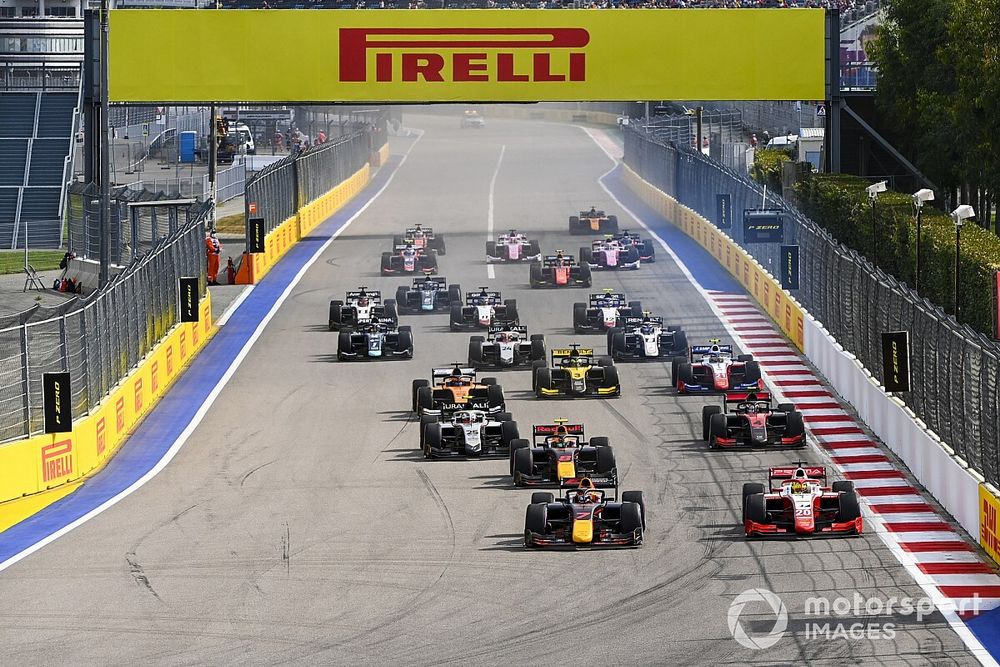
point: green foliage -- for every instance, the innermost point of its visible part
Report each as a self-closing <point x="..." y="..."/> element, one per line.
<point x="767" y="166"/>
<point x="12" y="261"/>
<point x="839" y="203"/>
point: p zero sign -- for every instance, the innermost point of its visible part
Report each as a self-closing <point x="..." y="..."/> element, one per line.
<point x="466" y="55"/>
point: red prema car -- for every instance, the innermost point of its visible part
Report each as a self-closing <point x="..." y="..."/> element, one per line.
<point x="559" y="270"/>
<point x="800" y="504"/>
<point x="752" y="422"/>
<point x="407" y="258"/>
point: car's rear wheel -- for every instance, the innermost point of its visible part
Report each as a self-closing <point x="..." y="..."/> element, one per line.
<point x="785" y="407"/>
<point x="849" y="507"/>
<point x="617" y="347"/>
<point x="843" y="486"/>
<point x="456" y="317"/>
<point x="613" y="223"/>
<point x="417" y="384"/>
<point x="508" y="432"/>
<point x="631" y="520"/>
<point x="586" y="276"/>
<point x="706" y="416"/>
<point x="491" y="249"/>
<point x="681" y="342"/>
<point x="389" y="311"/>
<point x="535" y="365"/>
<point x="605" y="460"/>
<point x="516" y="445"/>
<point x="402" y="299"/>
<point x="386" y="263"/>
<point x="524" y="463"/>
<point x="343" y="345"/>
<point x="475" y="352"/>
<point x="675" y="363"/>
<point x="636" y="308"/>
<point x="425" y="399"/>
<point x="335" y="314"/>
<point x="533" y="249"/>
<point x="455" y="294"/>
<point x="432" y="438"/>
<point x="600" y="441"/>
<point x="487" y="381"/>
<point x="574" y="224"/>
<point x="494" y="395"/>
<point x="751" y="372"/>
<point x="755" y="508"/>
<point x="586" y="255"/>
<point x="542" y="497"/>
<point x="405" y="342"/>
<point x="543" y="380"/>
<point x="535" y="275"/>
<point x="611" y="379"/>
<point x="538" y="349"/>
<point x="750" y="488"/>
<point x="744" y="357"/>
<point x="580" y="317"/>
<point x="794" y="425"/>
<point x="685" y="374"/>
<point x="511" y="305"/>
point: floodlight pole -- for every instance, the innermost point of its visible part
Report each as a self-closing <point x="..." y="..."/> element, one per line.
<point x="105" y="190"/>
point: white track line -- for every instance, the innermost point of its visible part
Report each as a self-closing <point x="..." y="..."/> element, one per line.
<point x="944" y="604"/>
<point x="490" y="273"/>
<point x="203" y="410"/>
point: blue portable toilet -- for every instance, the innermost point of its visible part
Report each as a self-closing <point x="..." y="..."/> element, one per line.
<point x="188" y="143"/>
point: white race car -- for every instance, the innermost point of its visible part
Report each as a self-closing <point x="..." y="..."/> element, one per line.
<point x="506" y="346"/>
<point x="468" y="433"/>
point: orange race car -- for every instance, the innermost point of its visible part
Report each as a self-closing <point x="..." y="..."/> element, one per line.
<point x="456" y="388"/>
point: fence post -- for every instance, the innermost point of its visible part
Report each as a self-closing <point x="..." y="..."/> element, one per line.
<point x="25" y="383"/>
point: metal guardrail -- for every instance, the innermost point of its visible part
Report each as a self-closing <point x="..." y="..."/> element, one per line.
<point x="955" y="370"/>
<point x="97" y="339"/>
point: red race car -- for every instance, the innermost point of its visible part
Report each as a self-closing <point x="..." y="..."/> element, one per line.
<point x="753" y="422"/>
<point x="559" y="270"/>
<point x="800" y="504"/>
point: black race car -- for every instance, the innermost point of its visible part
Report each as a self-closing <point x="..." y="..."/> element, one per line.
<point x="753" y="422"/>
<point x="427" y="294"/>
<point x="506" y="346"/>
<point x="559" y="270"/>
<point x="482" y="310"/>
<point x="375" y="339"/>
<point x="421" y="237"/>
<point x="584" y="517"/>
<point x="560" y="453"/>
<point x="646" y="338"/>
<point x="575" y="373"/>
<point x="359" y="306"/>
<point x="645" y="247"/>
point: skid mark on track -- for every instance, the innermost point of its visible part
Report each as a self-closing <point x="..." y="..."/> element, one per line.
<point x="135" y="569"/>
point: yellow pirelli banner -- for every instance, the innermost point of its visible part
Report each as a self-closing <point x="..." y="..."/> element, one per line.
<point x="465" y="55"/>
<point x="989" y="523"/>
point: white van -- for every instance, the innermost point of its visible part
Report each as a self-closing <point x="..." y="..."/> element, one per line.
<point x="243" y="138"/>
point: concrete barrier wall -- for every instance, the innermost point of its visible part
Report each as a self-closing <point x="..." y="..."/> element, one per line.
<point x="38" y="471"/>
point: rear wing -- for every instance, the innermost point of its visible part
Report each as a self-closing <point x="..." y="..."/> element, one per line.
<point x="790" y="472"/>
<point x="554" y="260"/>
<point x="746" y="397"/>
<point x="374" y="295"/>
<point x="562" y="352"/>
<point x="636" y="322"/>
<point x="550" y="429"/>
<point x="448" y="371"/>
<point x="597" y="481"/>
<point x="492" y="332"/>
<point x="589" y="215"/>
<point x="403" y="246"/>
<point x="493" y="298"/>
<point x="440" y="282"/>
<point x="425" y="231"/>
<point x="697" y="350"/>
<point x="618" y="298"/>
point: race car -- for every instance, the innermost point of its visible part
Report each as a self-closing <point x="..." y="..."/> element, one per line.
<point x="610" y="255"/>
<point x="482" y="310"/>
<point x="359" y="306"/>
<point x="375" y="339"/>
<point x="407" y="258"/>
<point x="427" y="294"/>
<point x="560" y="453"/>
<point x="456" y="388"/>
<point x="559" y="270"/>
<point x="752" y="422"/>
<point x="592" y="221"/>
<point x="472" y="119"/>
<point x="422" y="237"/>
<point x="584" y="517"/>
<point x="576" y="374"/>
<point x="645" y="338"/>
<point x="513" y="247"/>
<point x="506" y="346"/>
<point x="800" y="505"/>
<point x="604" y="311"/>
<point x="713" y="368"/>
<point x="468" y="433"/>
<point x="645" y="247"/>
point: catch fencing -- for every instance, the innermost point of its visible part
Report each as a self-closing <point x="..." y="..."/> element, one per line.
<point x="955" y="369"/>
<point x="97" y="339"/>
<point x="282" y="188"/>
<point x="229" y="184"/>
<point x="135" y="230"/>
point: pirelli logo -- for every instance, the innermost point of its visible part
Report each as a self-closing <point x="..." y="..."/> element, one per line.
<point x="455" y="55"/>
<point x="57" y="460"/>
<point x="102" y="436"/>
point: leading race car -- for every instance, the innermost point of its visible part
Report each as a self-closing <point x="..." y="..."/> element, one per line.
<point x="645" y="247"/>
<point x="645" y="339"/>
<point x="610" y="255"/>
<point x="472" y="118"/>
<point x="407" y="258"/>
<point x="800" y="505"/>
<point x="360" y="306"/>
<point x="576" y="374"/>
<point x="592" y="221"/>
<point x="468" y="433"/>
<point x="422" y="237"/>
<point x="375" y="339"/>
<point x="584" y="517"/>
<point x="513" y="247"/>
<point x="427" y="294"/>
<point x="752" y="422"/>
<point x="560" y="453"/>
<point x="559" y="270"/>
<point x="604" y="312"/>
<point x="456" y="388"/>
<point x="506" y="346"/>
<point x="482" y="310"/>
<point x="713" y="368"/>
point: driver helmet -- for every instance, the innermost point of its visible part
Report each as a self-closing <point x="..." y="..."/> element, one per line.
<point x="559" y="437"/>
<point x="466" y="418"/>
<point x="715" y="358"/>
<point x="799" y="486"/>
<point x="504" y="337"/>
<point x="605" y="303"/>
<point x="646" y="328"/>
<point x="593" y="210"/>
<point x="363" y="301"/>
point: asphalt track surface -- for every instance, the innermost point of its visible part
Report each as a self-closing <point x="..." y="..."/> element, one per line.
<point x="300" y="524"/>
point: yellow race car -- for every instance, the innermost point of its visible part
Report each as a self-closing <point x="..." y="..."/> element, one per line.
<point x="575" y="373"/>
